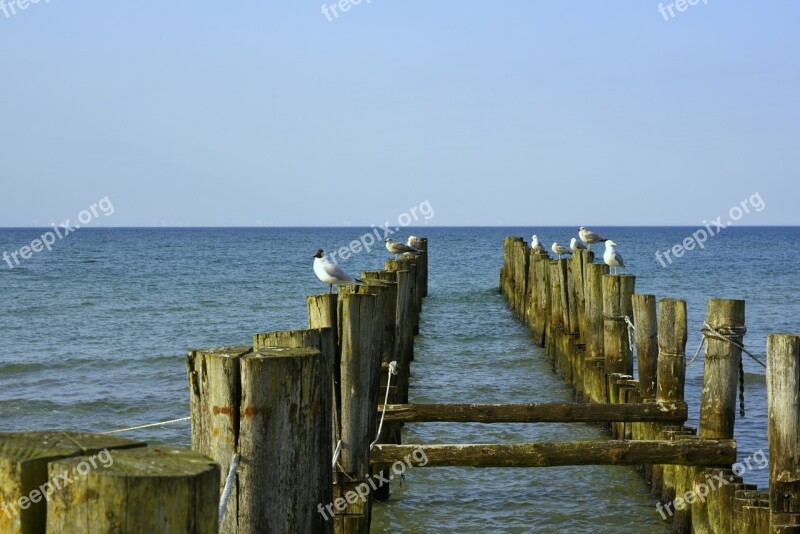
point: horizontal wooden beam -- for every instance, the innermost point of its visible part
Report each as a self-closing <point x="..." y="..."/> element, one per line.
<point x="674" y="412"/>
<point x="681" y="452"/>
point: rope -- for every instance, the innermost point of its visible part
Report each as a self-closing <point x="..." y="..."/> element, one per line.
<point x="147" y="426"/>
<point x="725" y="334"/>
<point x="699" y="348"/>
<point x="392" y="371"/>
<point x="628" y="323"/>
<point x="226" y="493"/>
<point x="741" y="388"/>
<point x="336" y="453"/>
<point x="631" y="330"/>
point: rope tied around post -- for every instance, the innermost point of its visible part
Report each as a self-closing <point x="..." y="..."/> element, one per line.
<point x="728" y="333"/>
<point x="226" y="493"/>
<point x="392" y="371"/>
<point x="628" y="323"/>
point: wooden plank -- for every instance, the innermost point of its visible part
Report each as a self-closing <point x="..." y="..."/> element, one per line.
<point x="690" y="452"/>
<point x="536" y="413"/>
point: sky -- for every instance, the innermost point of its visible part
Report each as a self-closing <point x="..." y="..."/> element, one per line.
<point x="494" y="113"/>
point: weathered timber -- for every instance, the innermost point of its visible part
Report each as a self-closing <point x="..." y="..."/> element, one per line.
<point x="550" y="454"/>
<point x="165" y="490"/>
<point x="215" y="393"/>
<point x="721" y="370"/>
<point x="783" y="399"/>
<point x="24" y="457"/>
<point x="593" y="289"/>
<point x="285" y="432"/>
<point x="535" y="413"/>
<point x="617" y="292"/>
<point x="646" y="339"/>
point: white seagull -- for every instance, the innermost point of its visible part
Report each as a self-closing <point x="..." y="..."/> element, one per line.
<point x="575" y="245"/>
<point x="589" y="237"/>
<point x="396" y="247"/>
<point x="413" y="241"/>
<point x="535" y="245"/>
<point x="330" y="273"/>
<point x="611" y="257"/>
<point x="559" y="249"/>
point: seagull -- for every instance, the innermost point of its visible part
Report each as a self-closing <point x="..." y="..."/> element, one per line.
<point x="413" y="241"/>
<point x="575" y="245"/>
<point x="612" y="257"/>
<point x="396" y="247"/>
<point x="535" y="245"/>
<point x="589" y="237"/>
<point x="330" y="273"/>
<point x="560" y="250"/>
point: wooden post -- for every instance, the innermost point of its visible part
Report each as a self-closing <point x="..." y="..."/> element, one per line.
<point x="274" y="407"/>
<point x="646" y="336"/>
<point x="721" y="371"/>
<point x="285" y="429"/>
<point x="617" y="292"/>
<point x="593" y="288"/>
<point x="542" y="310"/>
<point x="24" y="457"/>
<point x="322" y="313"/>
<point x="783" y="395"/>
<point x="215" y="393"/>
<point x="672" y="334"/>
<point x="358" y="398"/>
<point x="163" y="489"/>
<point x="423" y="266"/>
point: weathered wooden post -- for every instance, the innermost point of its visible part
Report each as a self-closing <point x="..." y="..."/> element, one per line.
<point x="617" y="293"/>
<point x="169" y="490"/>
<point x="423" y="266"/>
<point x="359" y="391"/>
<point x="783" y="398"/>
<point x="721" y="370"/>
<point x="24" y="457"/>
<point x="274" y="408"/>
<point x="672" y="335"/>
<point x="646" y="339"/>
<point x="593" y="288"/>
<point x="542" y="271"/>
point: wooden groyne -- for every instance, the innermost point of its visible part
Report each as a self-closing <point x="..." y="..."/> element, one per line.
<point x="590" y="322"/>
<point x="296" y="430"/>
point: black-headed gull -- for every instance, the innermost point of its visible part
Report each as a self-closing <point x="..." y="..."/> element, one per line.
<point x="611" y="257"/>
<point x="589" y="237"/>
<point x="330" y="273"/>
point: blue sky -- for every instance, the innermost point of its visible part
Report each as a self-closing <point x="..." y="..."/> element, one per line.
<point x="514" y="113"/>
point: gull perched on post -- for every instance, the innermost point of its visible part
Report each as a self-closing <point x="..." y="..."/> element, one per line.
<point x="589" y="237"/>
<point x="397" y="248"/>
<point x="535" y="245"/>
<point x="611" y="257"/>
<point x="575" y="245"/>
<point x="413" y="241"/>
<point x="330" y="273"/>
<point x="559" y="249"/>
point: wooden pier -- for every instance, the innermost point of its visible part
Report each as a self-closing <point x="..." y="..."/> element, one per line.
<point x="296" y="430"/>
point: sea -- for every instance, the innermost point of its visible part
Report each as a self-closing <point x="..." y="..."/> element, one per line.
<point x="95" y="334"/>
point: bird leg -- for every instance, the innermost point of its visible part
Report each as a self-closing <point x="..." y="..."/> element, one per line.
<point x="330" y="289"/>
